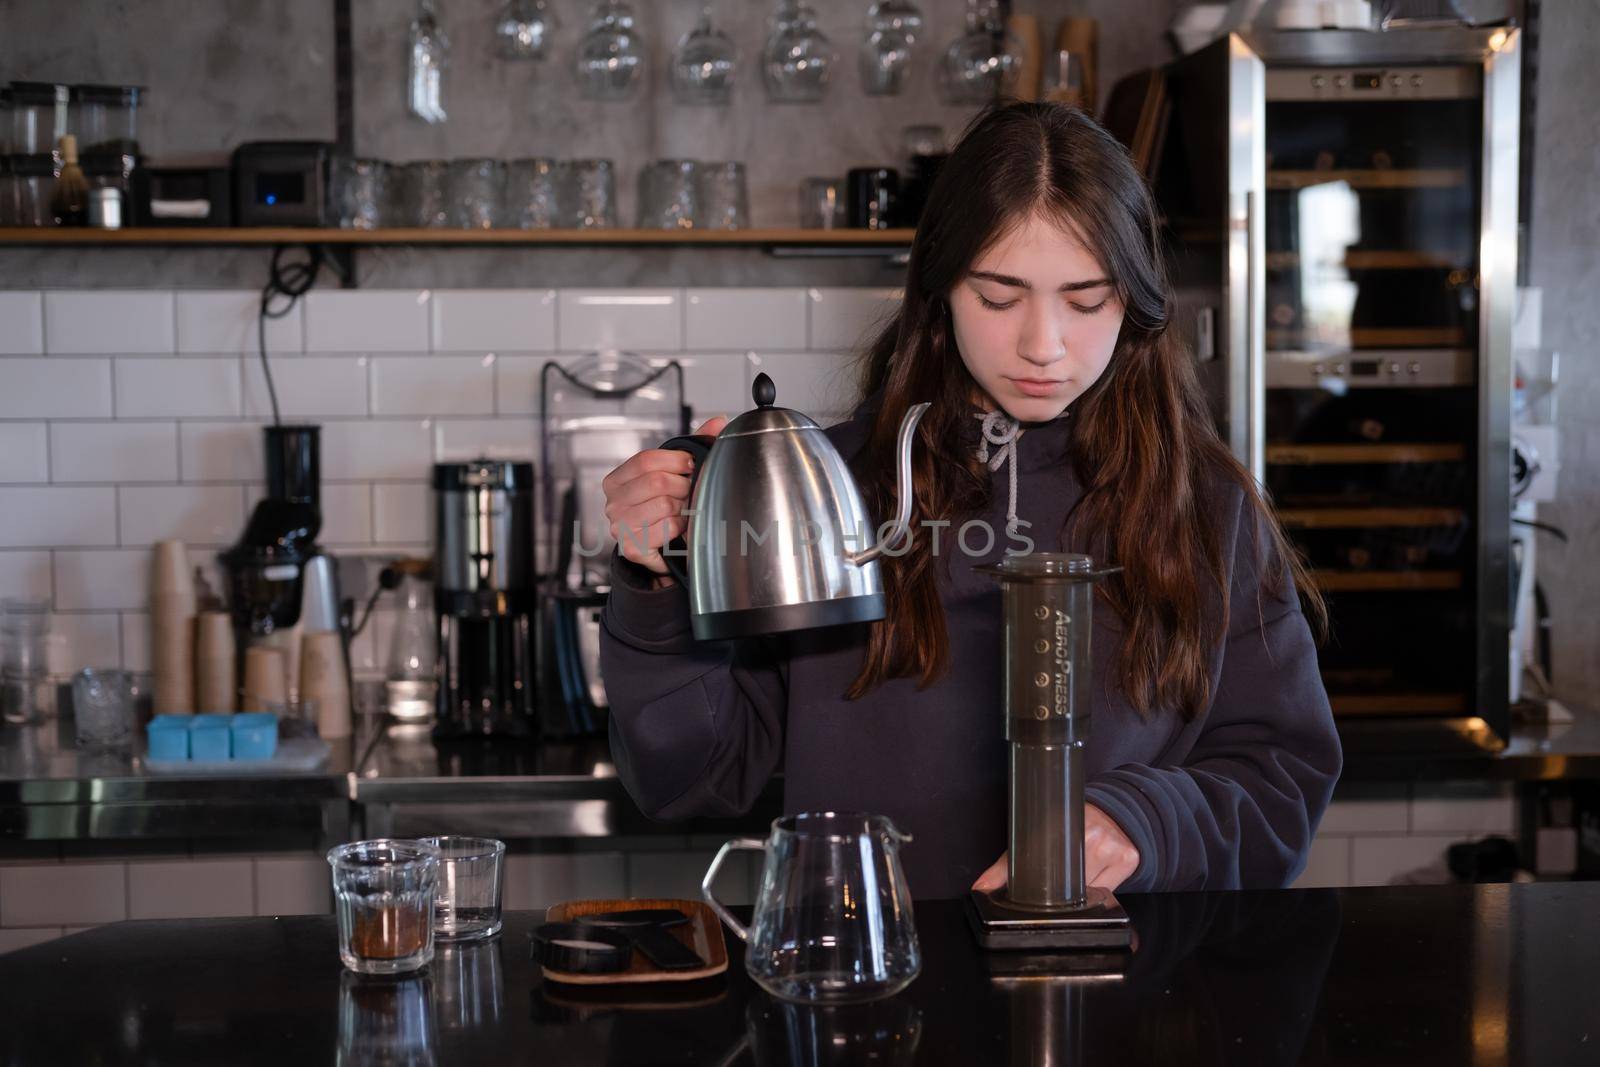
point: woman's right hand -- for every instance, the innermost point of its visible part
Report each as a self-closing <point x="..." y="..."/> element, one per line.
<point x="645" y="498"/>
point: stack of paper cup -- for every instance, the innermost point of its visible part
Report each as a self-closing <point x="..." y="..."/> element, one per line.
<point x="214" y="687"/>
<point x="265" y="680"/>
<point x="172" y="610"/>
<point x="323" y="680"/>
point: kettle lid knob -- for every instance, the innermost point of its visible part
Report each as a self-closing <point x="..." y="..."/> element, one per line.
<point x="763" y="392"/>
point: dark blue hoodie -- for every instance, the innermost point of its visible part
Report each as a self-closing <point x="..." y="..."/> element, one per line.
<point x="1230" y="800"/>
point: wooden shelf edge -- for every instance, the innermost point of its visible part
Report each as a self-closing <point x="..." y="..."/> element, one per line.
<point x="276" y="235"/>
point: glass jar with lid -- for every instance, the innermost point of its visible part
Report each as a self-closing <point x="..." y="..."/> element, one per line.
<point x="38" y="116"/>
<point x="106" y="118"/>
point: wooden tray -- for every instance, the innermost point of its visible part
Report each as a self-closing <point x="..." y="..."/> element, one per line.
<point x="703" y="933"/>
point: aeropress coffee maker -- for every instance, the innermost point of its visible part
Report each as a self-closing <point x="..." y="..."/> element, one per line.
<point x="1047" y="602"/>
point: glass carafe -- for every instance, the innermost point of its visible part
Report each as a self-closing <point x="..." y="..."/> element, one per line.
<point x="982" y="63"/>
<point x="429" y="55"/>
<point x="885" y="60"/>
<point x="522" y="30"/>
<point x="413" y="680"/>
<point x="832" y="920"/>
<point x="611" y="54"/>
<point x="704" y="64"/>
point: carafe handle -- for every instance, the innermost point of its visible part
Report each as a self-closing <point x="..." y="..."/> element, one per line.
<point x="749" y="844"/>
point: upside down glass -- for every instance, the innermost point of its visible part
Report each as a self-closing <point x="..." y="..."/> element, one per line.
<point x="832" y="921"/>
<point x="383" y="893"/>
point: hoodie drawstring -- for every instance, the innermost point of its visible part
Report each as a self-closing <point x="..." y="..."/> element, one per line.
<point x="1001" y="429"/>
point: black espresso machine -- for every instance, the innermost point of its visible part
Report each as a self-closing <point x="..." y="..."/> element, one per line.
<point x="484" y="599"/>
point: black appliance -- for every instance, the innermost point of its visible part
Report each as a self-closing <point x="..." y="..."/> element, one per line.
<point x="484" y="598"/>
<point x="281" y="183"/>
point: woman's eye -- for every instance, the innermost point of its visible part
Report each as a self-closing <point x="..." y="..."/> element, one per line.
<point x="991" y="305"/>
<point x="1080" y="309"/>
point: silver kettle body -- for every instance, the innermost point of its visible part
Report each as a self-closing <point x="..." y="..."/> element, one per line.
<point x="779" y="537"/>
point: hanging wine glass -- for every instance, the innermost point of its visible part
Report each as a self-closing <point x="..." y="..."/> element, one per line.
<point x="704" y="64"/>
<point x="893" y="27"/>
<point x="430" y="54"/>
<point x="523" y="29"/>
<point x="798" y="59"/>
<point x="984" y="61"/>
<point x="611" y="55"/>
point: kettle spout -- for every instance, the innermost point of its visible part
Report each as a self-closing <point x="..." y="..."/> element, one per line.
<point x="902" y="518"/>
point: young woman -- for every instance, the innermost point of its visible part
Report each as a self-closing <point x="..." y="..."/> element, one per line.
<point x="1036" y="319"/>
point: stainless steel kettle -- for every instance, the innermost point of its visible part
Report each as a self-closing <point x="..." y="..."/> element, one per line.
<point x="779" y="538"/>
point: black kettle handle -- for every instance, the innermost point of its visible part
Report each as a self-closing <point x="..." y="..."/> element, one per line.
<point x="697" y="445"/>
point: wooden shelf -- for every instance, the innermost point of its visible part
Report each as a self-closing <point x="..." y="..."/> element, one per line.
<point x="1435" y="178"/>
<point x="1316" y="455"/>
<point x="1368" y="518"/>
<point x="1397" y="703"/>
<point x="1385" y="581"/>
<point x="279" y="235"/>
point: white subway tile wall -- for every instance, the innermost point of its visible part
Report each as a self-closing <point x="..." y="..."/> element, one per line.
<point x="143" y="422"/>
<point x="131" y="416"/>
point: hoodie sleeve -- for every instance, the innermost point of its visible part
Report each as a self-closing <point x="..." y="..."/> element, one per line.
<point x="1240" y="810"/>
<point x="696" y="726"/>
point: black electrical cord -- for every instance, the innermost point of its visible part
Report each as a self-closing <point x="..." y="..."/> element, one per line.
<point x="388" y="578"/>
<point x="1554" y="531"/>
<point x="287" y="283"/>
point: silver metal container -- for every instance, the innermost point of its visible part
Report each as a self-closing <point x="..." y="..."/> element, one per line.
<point x="484" y="525"/>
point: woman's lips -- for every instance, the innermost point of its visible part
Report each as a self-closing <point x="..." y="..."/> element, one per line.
<point x="1037" y="386"/>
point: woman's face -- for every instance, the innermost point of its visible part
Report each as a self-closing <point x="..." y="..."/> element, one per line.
<point x="1036" y="320"/>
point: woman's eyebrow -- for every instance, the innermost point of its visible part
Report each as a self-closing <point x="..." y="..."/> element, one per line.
<point x="1022" y="283"/>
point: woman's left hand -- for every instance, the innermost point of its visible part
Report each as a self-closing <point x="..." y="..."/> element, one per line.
<point x="1109" y="858"/>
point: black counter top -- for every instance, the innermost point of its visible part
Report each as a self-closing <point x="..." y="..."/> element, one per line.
<point x="1411" y="975"/>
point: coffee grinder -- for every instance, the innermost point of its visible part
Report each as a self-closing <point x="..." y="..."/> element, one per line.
<point x="1047" y="602"/>
<point x="280" y="582"/>
<point x="484" y="598"/>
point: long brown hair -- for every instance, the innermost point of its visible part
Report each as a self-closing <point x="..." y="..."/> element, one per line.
<point x="1154" y="471"/>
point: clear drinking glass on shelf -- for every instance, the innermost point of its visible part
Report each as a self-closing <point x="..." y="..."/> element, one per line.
<point x="360" y="192"/>
<point x="610" y="58"/>
<point x="704" y="64"/>
<point x="383" y="893"/>
<point x="420" y="199"/>
<point x="984" y="61"/>
<point x="24" y="673"/>
<point x="669" y="195"/>
<point x="102" y="709"/>
<point x="798" y="59"/>
<point x="822" y="204"/>
<point x="593" y="184"/>
<point x="537" y="196"/>
<point x="724" y="202"/>
<point x="430" y="55"/>
<point x="887" y="54"/>
<point x="522" y="29"/>
<point x="466" y="903"/>
<point x="473" y="190"/>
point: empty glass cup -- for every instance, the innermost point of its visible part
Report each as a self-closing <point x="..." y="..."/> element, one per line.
<point x="473" y="192"/>
<point x="593" y="184"/>
<point x="360" y="192"/>
<point x="669" y="196"/>
<point x="466" y="904"/>
<point x="887" y="53"/>
<point x="798" y="59"/>
<point x="724" y="203"/>
<point x="383" y="894"/>
<point x="24" y="672"/>
<point x="420" y="193"/>
<point x="822" y="204"/>
<point x="984" y="61"/>
<point x="538" y="196"/>
<point x="610" y="57"/>
<point x="102" y="709"/>
<point x="832" y="920"/>
<point x="704" y="64"/>
<point x="522" y="30"/>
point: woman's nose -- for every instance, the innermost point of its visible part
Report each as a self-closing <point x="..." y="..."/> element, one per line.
<point x="1043" y="337"/>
